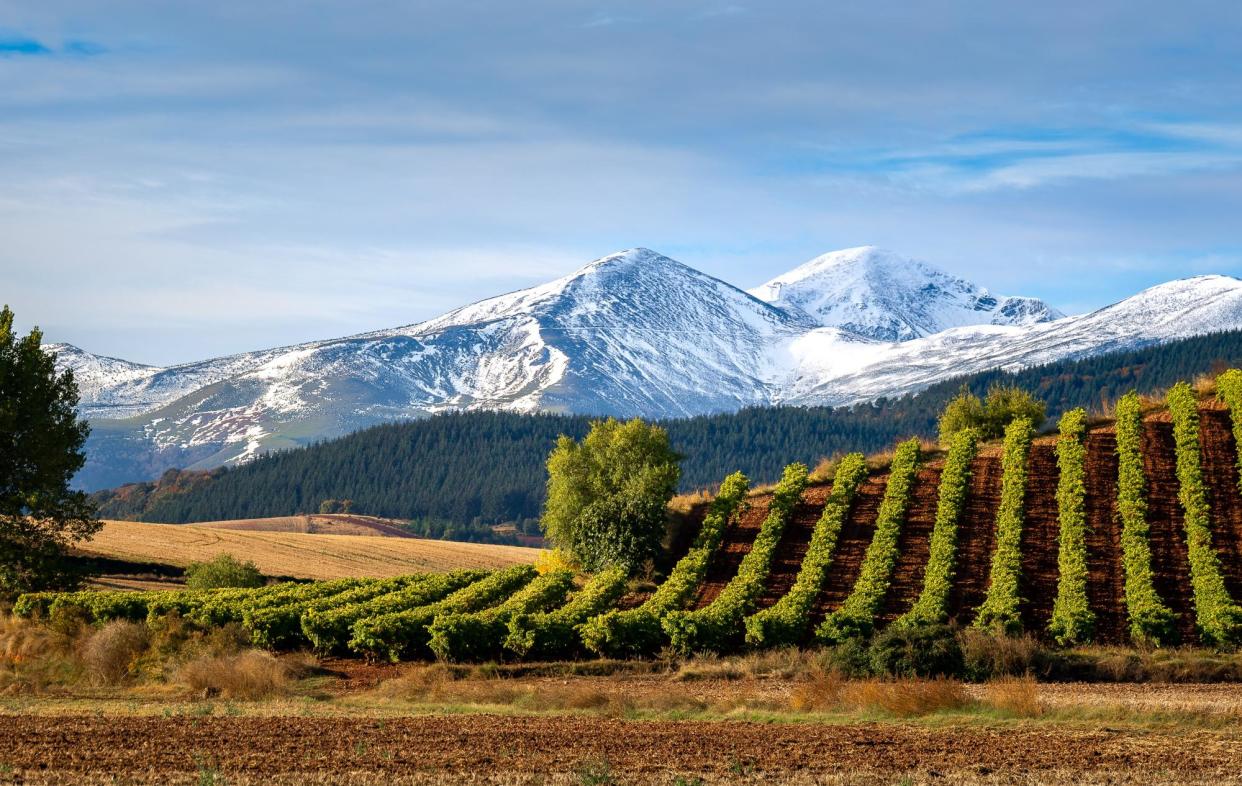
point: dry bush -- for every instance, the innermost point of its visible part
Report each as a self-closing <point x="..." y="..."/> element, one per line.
<point x="878" y="462"/>
<point x="110" y="654"/>
<point x="253" y="674"/>
<point x="684" y="503"/>
<point x="821" y="693"/>
<point x="905" y="698"/>
<point x="708" y="666"/>
<point x="987" y="654"/>
<point x="825" y="469"/>
<point x="33" y="657"/>
<point x="1014" y="696"/>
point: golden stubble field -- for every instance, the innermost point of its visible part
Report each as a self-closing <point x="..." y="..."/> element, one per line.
<point x="296" y="554"/>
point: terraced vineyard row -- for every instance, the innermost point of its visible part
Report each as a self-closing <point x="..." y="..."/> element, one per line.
<point x="1131" y="531"/>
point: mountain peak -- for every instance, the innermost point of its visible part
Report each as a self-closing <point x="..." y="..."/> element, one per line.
<point x="880" y="294"/>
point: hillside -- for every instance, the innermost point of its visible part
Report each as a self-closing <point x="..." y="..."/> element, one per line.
<point x="977" y="532"/>
<point x="295" y="554"/>
<point x="452" y="470"/>
<point x="316" y="524"/>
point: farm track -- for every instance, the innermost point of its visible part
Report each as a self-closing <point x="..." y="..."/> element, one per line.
<point x="851" y="547"/>
<point x="1040" y="537"/>
<point x="1105" y="575"/>
<point x="1220" y="473"/>
<point x="1170" y="564"/>
<point x="794" y="543"/>
<point x="976" y="537"/>
<point x="913" y="546"/>
<point x="150" y="750"/>
<point x="738" y="539"/>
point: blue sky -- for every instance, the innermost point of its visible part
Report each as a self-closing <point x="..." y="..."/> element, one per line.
<point x="186" y="180"/>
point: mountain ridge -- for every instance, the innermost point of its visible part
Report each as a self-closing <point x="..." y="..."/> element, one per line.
<point x="633" y="333"/>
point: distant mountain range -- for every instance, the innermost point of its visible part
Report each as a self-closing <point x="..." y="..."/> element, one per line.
<point x="634" y="333"/>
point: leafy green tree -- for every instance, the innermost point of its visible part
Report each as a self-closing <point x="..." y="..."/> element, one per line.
<point x="223" y="570"/>
<point x="991" y="415"/>
<point x="41" y="442"/>
<point x="607" y="495"/>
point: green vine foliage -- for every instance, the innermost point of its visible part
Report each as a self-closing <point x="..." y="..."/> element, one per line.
<point x="404" y="634"/>
<point x="638" y="632"/>
<point x="328" y="630"/>
<point x="719" y="625"/>
<point x="477" y="636"/>
<point x="281" y="625"/>
<point x="1072" y="619"/>
<point x="932" y="606"/>
<point x="555" y="634"/>
<point x="856" y="617"/>
<point x="1229" y="390"/>
<point x="1219" y="618"/>
<point x="785" y="622"/>
<point x="1151" y="621"/>
<point x="1000" y="609"/>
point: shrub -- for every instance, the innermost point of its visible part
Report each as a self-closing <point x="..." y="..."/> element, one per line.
<point x="1072" y="619"/>
<point x="990" y="417"/>
<point x="719" y="624"/>
<point x="404" y="633"/>
<point x="784" y="623"/>
<point x="554" y="634"/>
<point x="249" y="675"/>
<point x="1219" y="618"/>
<point x="110" y="652"/>
<point x="329" y="629"/>
<point x="480" y="635"/>
<point x="223" y="570"/>
<point x="916" y="651"/>
<point x="1000" y="611"/>
<point x="856" y="617"/>
<point x="637" y="632"/>
<point x="1151" y="622"/>
<point x="931" y="608"/>
<point x="607" y="495"/>
<point x="988" y="653"/>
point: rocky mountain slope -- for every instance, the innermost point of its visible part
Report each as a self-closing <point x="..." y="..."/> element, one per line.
<point x="631" y="334"/>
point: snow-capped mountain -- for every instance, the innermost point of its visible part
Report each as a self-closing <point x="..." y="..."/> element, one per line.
<point x="878" y="294"/>
<point x="634" y="333"/>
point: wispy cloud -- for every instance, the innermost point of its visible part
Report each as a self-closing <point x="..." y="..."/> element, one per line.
<point x="17" y="45"/>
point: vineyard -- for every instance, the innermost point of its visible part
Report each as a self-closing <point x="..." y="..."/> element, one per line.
<point x="1128" y="531"/>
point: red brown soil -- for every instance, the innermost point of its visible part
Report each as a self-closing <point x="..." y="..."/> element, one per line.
<point x="851" y="547"/>
<point x="913" y="546"/>
<point x="976" y="537"/>
<point x="1040" y="537"/>
<point x="371" y="750"/>
<point x="1220" y="473"/>
<point x="1170" y="565"/>
<point x="736" y="544"/>
<point x="1105" y="574"/>
<point x="795" y="540"/>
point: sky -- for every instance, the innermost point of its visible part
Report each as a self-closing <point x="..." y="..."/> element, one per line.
<point x="186" y="180"/>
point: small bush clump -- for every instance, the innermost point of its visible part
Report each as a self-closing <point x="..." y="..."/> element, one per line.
<point x="224" y="570"/>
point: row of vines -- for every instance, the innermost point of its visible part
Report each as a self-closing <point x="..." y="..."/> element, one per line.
<point x="471" y="615"/>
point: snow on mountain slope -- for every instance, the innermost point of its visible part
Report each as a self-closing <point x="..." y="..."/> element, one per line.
<point x="881" y="295"/>
<point x="634" y="333"/>
<point x="834" y="368"/>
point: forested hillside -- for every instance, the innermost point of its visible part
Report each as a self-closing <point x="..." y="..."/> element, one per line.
<point x="487" y="467"/>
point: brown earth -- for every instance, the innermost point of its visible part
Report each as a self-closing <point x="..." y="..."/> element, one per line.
<point x="1040" y="536"/>
<point x="1105" y="575"/>
<point x="913" y="545"/>
<point x="735" y="545"/>
<point x="976" y="537"/>
<point x="795" y="541"/>
<point x="1170" y="564"/>
<point x="487" y="748"/>
<point x="851" y="548"/>
<point x="1220" y="473"/>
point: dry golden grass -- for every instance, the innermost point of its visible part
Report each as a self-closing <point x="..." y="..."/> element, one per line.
<point x="827" y="691"/>
<point x="296" y="554"/>
<point x="315" y="524"/>
<point x="1017" y="697"/>
<point x="248" y="675"/>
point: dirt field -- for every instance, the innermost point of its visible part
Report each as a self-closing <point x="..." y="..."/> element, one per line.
<point x="297" y="554"/>
<point x="1101" y="737"/>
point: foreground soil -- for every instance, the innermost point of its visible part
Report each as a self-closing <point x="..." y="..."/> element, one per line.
<point x="506" y="749"/>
